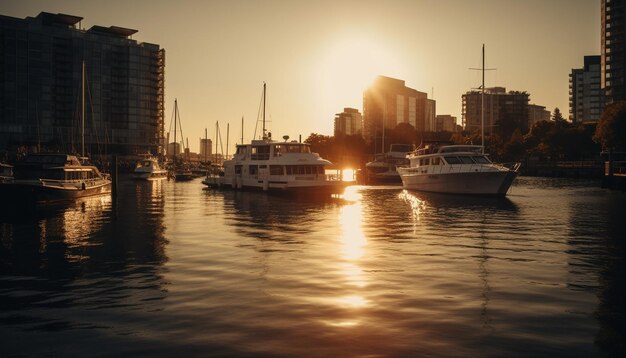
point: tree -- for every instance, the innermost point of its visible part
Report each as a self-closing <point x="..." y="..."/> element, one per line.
<point x="611" y="129"/>
<point x="557" y="116"/>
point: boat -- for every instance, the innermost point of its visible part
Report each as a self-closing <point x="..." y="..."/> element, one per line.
<point x="457" y="169"/>
<point x="383" y="168"/>
<point x="149" y="169"/>
<point x="54" y="177"/>
<point x="283" y="167"/>
<point x="46" y="177"/>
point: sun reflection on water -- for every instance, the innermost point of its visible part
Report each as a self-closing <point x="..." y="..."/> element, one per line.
<point x="352" y="249"/>
<point x="417" y="205"/>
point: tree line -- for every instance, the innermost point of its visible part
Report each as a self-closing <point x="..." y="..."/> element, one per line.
<point x="546" y="141"/>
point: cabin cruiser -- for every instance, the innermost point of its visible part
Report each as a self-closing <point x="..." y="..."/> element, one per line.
<point x="278" y="166"/>
<point x="53" y="177"/>
<point x="149" y="169"/>
<point x="457" y="169"/>
<point x="383" y="168"/>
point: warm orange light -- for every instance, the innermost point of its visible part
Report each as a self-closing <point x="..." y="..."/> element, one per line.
<point x="348" y="174"/>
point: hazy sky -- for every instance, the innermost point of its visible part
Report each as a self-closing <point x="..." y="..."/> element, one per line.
<point x="318" y="56"/>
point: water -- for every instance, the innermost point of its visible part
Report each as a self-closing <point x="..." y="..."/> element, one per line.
<point x="173" y="269"/>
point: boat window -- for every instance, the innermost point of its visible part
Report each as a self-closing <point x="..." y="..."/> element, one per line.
<point x="452" y="160"/>
<point x="241" y="150"/>
<point x="320" y="169"/>
<point x="295" y="148"/>
<point x="481" y="160"/>
<point x="260" y="152"/>
<point x="466" y="160"/>
<point x="276" y="170"/>
<point x="277" y="150"/>
<point x="436" y="161"/>
<point x="237" y="169"/>
<point x="253" y="169"/>
<point x="424" y="161"/>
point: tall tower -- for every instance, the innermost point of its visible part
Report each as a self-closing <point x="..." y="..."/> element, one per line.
<point x="613" y="55"/>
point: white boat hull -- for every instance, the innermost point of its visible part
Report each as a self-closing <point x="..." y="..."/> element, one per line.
<point x="150" y="175"/>
<point x="471" y="183"/>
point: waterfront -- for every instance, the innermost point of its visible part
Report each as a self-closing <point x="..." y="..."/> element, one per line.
<point x="174" y="269"/>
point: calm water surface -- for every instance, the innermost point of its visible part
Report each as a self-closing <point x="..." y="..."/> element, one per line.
<point x="173" y="269"/>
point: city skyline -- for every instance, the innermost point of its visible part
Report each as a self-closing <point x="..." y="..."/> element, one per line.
<point x="319" y="58"/>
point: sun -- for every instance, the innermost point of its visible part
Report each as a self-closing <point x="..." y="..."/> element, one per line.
<point x="347" y="67"/>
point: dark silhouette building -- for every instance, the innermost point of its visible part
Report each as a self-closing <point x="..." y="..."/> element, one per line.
<point x="41" y="60"/>
<point x="586" y="101"/>
<point x="504" y="112"/>
<point x="613" y="53"/>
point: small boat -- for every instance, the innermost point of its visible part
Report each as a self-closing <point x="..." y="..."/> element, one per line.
<point x="283" y="167"/>
<point x="149" y="169"/>
<point x="457" y="169"/>
<point x="383" y="168"/>
<point x="54" y="177"/>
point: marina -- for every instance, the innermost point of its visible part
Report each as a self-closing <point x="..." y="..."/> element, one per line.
<point x="171" y="266"/>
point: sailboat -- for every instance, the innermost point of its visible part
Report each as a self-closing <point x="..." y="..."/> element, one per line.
<point x="458" y="169"/>
<point x="278" y="166"/>
<point x="180" y="170"/>
<point x="45" y="177"/>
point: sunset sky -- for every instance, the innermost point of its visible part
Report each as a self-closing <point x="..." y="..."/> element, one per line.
<point x="318" y="56"/>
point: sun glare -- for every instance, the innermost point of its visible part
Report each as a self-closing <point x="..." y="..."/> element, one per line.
<point x="349" y="66"/>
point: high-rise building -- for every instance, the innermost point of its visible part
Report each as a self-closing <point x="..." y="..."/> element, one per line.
<point x="206" y="148"/>
<point x="537" y="113"/>
<point x="348" y="122"/>
<point x="613" y="50"/>
<point x="41" y="61"/>
<point x="388" y="102"/>
<point x="445" y="123"/>
<point x="503" y="111"/>
<point x="586" y="101"/>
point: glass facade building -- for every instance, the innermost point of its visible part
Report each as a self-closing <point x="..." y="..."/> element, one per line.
<point x="41" y="71"/>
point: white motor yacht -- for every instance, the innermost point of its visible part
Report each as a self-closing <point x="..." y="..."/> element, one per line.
<point x="457" y="169"/>
<point x="149" y="169"/>
<point x="383" y="168"/>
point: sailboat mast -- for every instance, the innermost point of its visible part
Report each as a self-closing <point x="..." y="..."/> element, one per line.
<point x="82" y="117"/>
<point x="264" y="110"/>
<point x="175" y="143"/>
<point x="241" y="130"/>
<point x="482" y="106"/>
<point x="227" y="134"/>
<point x="217" y="128"/>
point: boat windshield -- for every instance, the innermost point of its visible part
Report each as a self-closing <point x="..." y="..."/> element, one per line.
<point x="290" y="148"/>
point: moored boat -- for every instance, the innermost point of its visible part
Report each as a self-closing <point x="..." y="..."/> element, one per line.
<point x="457" y="169"/>
<point x="286" y="167"/>
<point x="54" y="177"/>
<point x="382" y="170"/>
<point x="149" y="169"/>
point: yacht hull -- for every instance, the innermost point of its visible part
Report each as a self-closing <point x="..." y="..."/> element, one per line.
<point x="149" y="175"/>
<point x="496" y="183"/>
<point x="37" y="192"/>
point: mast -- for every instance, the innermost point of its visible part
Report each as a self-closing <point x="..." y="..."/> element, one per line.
<point x="264" y="136"/>
<point x="175" y="143"/>
<point x="482" y="106"/>
<point x="227" y="134"/>
<point x="82" y="117"/>
<point x="206" y="140"/>
<point x="217" y="128"/>
<point x="241" y="130"/>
